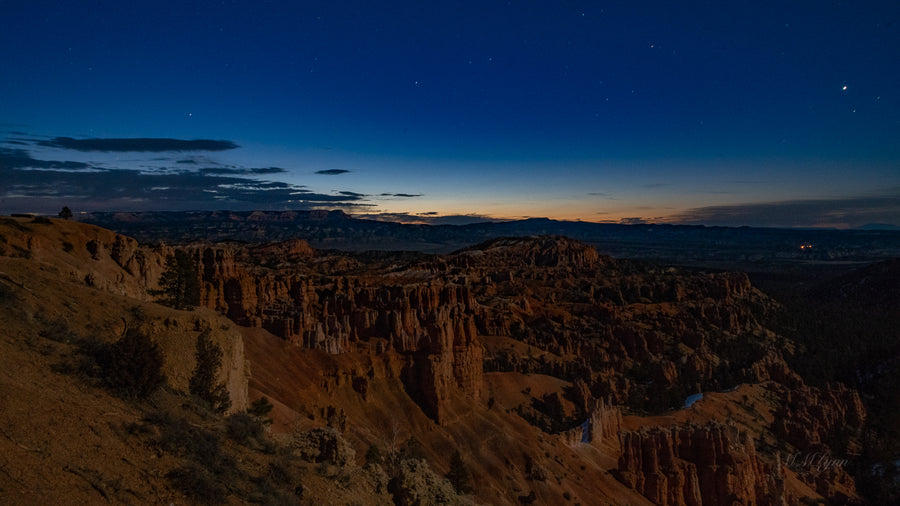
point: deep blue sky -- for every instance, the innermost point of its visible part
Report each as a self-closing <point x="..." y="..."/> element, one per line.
<point x="758" y="113"/>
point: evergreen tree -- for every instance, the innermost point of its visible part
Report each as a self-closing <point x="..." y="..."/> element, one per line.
<point x="180" y="282"/>
<point x="458" y="474"/>
<point x="203" y="381"/>
<point x="66" y="213"/>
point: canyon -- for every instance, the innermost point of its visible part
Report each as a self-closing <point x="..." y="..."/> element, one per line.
<point x="558" y="373"/>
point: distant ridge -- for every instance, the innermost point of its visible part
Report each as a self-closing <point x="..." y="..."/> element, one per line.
<point x="878" y="226"/>
<point x="685" y="244"/>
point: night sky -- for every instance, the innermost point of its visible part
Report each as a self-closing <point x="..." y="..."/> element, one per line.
<point x="720" y="113"/>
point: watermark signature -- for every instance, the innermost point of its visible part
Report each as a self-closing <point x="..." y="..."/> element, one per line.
<point x="812" y="461"/>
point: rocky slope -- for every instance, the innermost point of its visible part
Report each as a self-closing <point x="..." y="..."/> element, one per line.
<point x="86" y="260"/>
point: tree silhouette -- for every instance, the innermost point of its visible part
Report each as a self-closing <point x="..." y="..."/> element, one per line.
<point x="458" y="474"/>
<point x="134" y="365"/>
<point x="203" y="381"/>
<point x="180" y="282"/>
<point x="66" y="213"/>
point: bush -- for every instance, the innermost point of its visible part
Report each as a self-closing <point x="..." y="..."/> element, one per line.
<point x="197" y="482"/>
<point x="260" y="408"/>
<point x="133" y="365"/>
<point x="414" y="450"/>
<point x="323" y="445"/>
<point x="244" y="428"/>
<point x="374" y="456"/>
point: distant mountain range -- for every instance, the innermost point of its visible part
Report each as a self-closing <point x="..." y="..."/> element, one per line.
<point x="685" y="244"/>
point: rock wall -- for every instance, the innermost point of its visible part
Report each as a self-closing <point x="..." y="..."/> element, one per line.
<point x="603" y="424"/>
<point x="429" y="321"/>
<point x="809" y="417"/>
<point x="698" y="465"/>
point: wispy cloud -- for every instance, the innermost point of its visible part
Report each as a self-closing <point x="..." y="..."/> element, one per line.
<point x="332" y="172"/>
<point x="352" y="194"/>
<point x="39" y="184"/>
<point x="843" y="212"/>
<point x="21" y="159"/>
<point x="402" y="195"/>
<point x="246" y="171"/>
<point x="429" y="218"/>
<point x="137" y="144"/>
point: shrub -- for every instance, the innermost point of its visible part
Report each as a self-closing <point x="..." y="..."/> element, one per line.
<point x="260" y="408"/>
<point x="414" y="450"/>
<point x="244" y="428"/>
<point x="133" y="365"/>
<point x="374" y="456"/>
<point x="197" y="482"/>
<point x="66" y="213"/>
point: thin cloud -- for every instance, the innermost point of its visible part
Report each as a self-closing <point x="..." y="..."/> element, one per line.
<point x="332" y="172"/>
<point x="40" y="185"/>
<point x="137" y="144"/>
<point x="847" y="212"/>
<point x="241" y="171"/>
<point x="657" y="185"/>
<point x="429" y="218"/>
<point x="352" y="194"/>
<point x="403" y="195"/>
<point x="21" y="159"/>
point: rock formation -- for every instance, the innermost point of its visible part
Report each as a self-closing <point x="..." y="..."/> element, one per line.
<point x="603" y="424"/>
<point x="696" y="465"/>
<point x="429" y="322"/>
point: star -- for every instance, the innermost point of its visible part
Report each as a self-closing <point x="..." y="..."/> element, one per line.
<point x="844" y="88"/>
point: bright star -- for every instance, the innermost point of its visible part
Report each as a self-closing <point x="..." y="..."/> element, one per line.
<point x="844" y="88"/>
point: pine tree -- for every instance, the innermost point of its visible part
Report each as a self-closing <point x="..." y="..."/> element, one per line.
<point x="203" y="381"/>
<point x="458" y="474"/>
<point x="180" y="282"/>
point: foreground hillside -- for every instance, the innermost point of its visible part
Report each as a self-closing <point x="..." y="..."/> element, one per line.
<point x="557" y="374"/>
